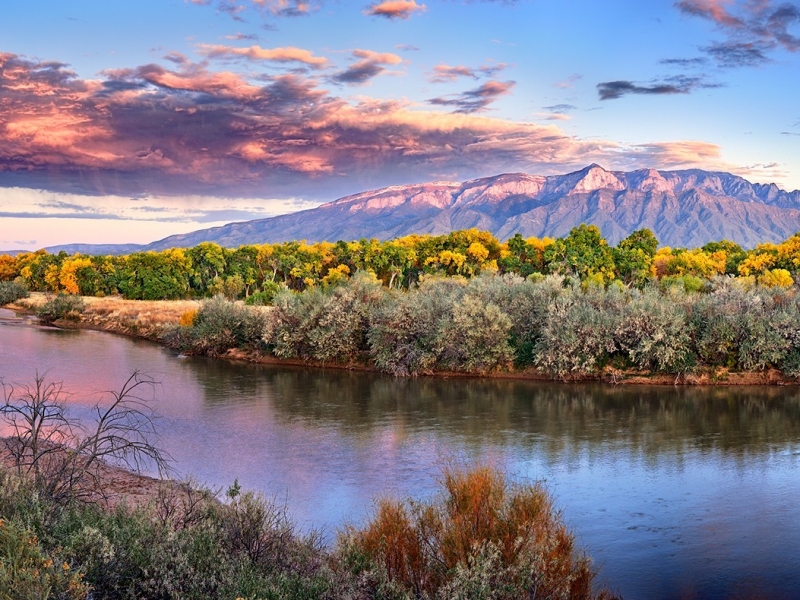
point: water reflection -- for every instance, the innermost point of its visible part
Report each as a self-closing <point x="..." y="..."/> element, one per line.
<point x="675" y="491"/>
<point x="650" y="420"/>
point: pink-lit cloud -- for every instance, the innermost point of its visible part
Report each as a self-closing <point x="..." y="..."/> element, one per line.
<point x="754" y="28"/>
<point x="257" y="53"/>
<point x="476" y="100"/>
<point x="394" y="9"/>
<point x="192" y="130"/>
<point x="716" y="10"/>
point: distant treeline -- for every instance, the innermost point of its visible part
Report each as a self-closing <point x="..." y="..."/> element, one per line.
<point x="261" y="270"/>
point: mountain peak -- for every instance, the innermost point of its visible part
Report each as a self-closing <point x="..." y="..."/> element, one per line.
<point x="594" y="177"/>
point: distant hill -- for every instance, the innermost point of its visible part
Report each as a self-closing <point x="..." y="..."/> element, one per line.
<point x="683" y="208"/>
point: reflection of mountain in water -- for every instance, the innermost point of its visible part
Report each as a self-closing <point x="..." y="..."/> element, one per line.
<point x="650" y="420"/>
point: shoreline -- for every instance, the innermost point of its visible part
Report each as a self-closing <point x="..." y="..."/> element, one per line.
<point x="147" y="320"/>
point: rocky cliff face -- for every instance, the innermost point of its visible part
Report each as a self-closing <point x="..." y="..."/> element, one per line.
<point x="683" y="208"/>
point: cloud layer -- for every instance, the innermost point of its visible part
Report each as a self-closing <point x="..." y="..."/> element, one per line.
<point x="188" y="129"/>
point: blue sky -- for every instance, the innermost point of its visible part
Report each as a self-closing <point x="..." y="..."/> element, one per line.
<point x="126" y="122"/>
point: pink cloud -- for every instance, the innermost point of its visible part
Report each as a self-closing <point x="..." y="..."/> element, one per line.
<point x="716" y="10"/>
<point x="395" y="9"/>
<point x="475" y="100"/>
<point x="257" y="53"/>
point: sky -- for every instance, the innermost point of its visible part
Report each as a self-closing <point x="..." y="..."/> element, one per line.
<point x="125" y="122"/>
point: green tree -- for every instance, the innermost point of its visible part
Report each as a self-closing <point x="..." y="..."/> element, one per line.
<point x="583" y="252"/>
<point x="633" y="257"/>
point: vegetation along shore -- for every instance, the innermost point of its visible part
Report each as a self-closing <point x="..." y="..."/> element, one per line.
<point x="569" y="308"/>
<point x="74" y="525"/>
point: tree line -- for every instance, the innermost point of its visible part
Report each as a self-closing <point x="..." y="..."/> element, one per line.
<point x="257" y="272"/>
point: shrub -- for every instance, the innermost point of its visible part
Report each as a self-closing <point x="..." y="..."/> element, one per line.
<point x="63" y="306"/>
<point x="405" y="334"/>
<point x="269" y="290"/>
<point x="480" y="535"/>
<point x="28" y="573"/>
<point x="747" y="329"/>
<point x="325" y="325"/>
<point x="188" y="318"/>
<point x="654" y="332"/>
<point x="11" y="291"/>
<point x="578" y="332"/>
<point x="218" y="326"/>
<point x="525" y="302"/>
<point x="474" y="338"/>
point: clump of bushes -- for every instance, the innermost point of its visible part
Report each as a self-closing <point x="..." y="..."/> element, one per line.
<point x="218" y="326"/>
<point x="493" y="322"/>
<point x="27" y="571"/>
<point x="444" y="324"/>
<point x="11" y="291"/>
<point x="62" y="306"/>
<point x="325" y="325"/>
<point x="481" y="538"/>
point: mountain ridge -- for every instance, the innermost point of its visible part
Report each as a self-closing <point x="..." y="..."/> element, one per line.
<point x="683" y="208"/>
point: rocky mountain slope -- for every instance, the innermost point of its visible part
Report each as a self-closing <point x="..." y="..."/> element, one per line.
<point x="683" y="208"/>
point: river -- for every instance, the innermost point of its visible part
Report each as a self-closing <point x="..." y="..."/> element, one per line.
<point x="674" y="492"/>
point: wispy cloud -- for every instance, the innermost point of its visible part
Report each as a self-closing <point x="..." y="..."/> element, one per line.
<point x="476" y="100"/>
<point x="443" y="73"/>
<point x="257" y="53"/>
<point x="236" y="9"/>
<point x="394" y="9"/>
<point x="611" y="90"/>
<point x="370" y="64"/>
<point x="753" y="28"/>
<point x="677" y="84"/>
<point x="238" y="36"/>
<point x="738" y="54"/>
<point x="569" y="82"/>
<point x="684" y="63"/>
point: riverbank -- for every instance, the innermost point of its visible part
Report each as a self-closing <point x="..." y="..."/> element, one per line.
<point x="151" y="320"/>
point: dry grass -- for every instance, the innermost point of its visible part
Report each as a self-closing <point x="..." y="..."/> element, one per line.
<point x="140" y="318"/>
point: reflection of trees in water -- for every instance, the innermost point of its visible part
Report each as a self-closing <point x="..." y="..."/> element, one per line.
<point x="556" y="416"/>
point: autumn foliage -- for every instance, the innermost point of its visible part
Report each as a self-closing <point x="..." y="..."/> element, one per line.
<point x="481" y="537"/>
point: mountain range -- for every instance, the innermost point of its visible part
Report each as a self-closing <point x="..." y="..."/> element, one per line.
<point x="683" y="208"/>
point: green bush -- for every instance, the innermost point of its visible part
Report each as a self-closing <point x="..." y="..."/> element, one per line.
<point x="29" y="573"/>
<point x="265" y="297"/>
<point x="63" y="306"/>
<point x="654" y="332"/>
<point x="11" y="291"/>
<point x="578" y="333"/>
<point x="325" y="325"/>
<point x="405" y="333"/>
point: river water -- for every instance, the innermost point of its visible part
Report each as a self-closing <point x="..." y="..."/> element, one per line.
<point x="674" y="492"/>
